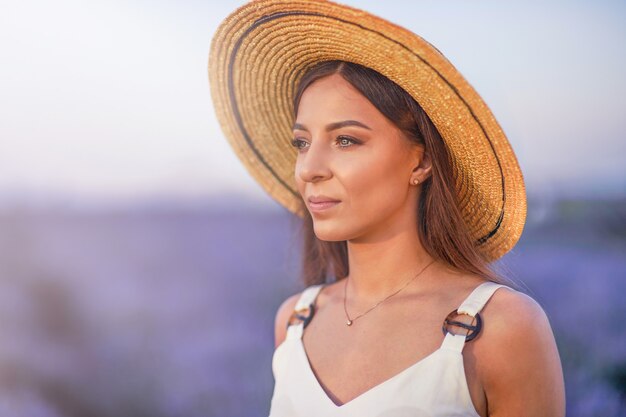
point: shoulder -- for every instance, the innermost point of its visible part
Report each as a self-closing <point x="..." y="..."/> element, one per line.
<point x="282" y="315"/>
<point x="520" y="368"/>
<point x="515" y="314"/>
<point x="509" y="306"/>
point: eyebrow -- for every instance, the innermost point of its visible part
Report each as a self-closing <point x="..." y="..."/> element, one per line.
<point x="334" y="126"/>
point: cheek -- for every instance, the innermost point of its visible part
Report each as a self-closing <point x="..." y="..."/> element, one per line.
<point x="373" y="195"/>
<point x="376" y="188"/>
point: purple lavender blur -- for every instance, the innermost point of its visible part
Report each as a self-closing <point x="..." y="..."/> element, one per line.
<point x="168" y="311"/>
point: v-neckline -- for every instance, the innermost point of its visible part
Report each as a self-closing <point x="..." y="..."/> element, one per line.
<point x="318" y="385"/>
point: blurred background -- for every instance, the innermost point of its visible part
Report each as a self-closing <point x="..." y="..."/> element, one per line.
<point x="141" y="266"/>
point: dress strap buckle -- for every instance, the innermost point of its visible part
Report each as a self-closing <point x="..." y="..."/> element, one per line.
<point x="303" y="311"/>
<point x="471" y="307"/>
<point x="473" y="329"/>
<point x="302" y="315"/>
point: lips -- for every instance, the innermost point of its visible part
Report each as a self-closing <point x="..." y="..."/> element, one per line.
<point x="322" y="202"/>
<point x="322" y="199"/>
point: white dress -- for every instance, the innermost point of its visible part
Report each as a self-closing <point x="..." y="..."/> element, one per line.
<point x="435" y="386"/>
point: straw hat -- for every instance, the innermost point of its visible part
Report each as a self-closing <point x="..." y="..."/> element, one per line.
<point x="260" y="52"/>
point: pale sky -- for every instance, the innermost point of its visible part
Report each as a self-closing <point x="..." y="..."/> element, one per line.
<point x="109" y="100"/>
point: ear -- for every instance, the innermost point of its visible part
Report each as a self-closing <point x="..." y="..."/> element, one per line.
<point x="422" y="165"/>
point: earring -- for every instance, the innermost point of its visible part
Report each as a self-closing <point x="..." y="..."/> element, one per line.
<point x="416" y="181"/>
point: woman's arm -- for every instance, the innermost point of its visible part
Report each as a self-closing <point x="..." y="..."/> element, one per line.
<point x="520" y="365"/>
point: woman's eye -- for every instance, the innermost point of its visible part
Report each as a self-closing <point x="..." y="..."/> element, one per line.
<point x="346" y="141"/>
<point x="296" y="143"/>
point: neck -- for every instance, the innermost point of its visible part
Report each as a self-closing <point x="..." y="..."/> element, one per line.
<point x="382" y="266"/>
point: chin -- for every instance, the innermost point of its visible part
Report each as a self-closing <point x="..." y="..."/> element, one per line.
<point x="330" y="231"/>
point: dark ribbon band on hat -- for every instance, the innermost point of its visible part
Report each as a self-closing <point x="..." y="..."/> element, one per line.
<point x="231" y="90"/>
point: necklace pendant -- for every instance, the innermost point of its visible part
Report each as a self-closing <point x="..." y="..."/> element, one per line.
<point x="349" y="323"/>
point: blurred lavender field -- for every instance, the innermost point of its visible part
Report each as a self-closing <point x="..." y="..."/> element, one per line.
<point x="168" y="310"/>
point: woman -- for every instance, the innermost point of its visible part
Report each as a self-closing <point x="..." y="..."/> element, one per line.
<point x="408" y="190"/>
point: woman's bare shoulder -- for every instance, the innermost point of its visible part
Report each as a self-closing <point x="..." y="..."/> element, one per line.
<point x="512" y="312"/>
<point x="520" y="367"/>
<point x="509" y="303"/>
<point x="282" y="316"/>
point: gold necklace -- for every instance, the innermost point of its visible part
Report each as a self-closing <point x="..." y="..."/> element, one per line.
<point x="350" y="321"/>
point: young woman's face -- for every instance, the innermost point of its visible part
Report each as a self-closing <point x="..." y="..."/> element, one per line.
<point x="350" y="152"/>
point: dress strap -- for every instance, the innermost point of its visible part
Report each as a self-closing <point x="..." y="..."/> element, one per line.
<point x="303" y="311"/>
<point x="471" y="306"/>
<point x="475" y="302"/>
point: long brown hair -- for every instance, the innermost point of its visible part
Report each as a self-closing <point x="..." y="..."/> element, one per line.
<point x="441" y="228"/>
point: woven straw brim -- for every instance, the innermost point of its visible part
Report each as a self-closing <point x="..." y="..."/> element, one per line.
<point x="261" y="50"/>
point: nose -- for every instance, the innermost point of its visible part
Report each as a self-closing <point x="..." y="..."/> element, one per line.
<point x="312" y="165"/>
